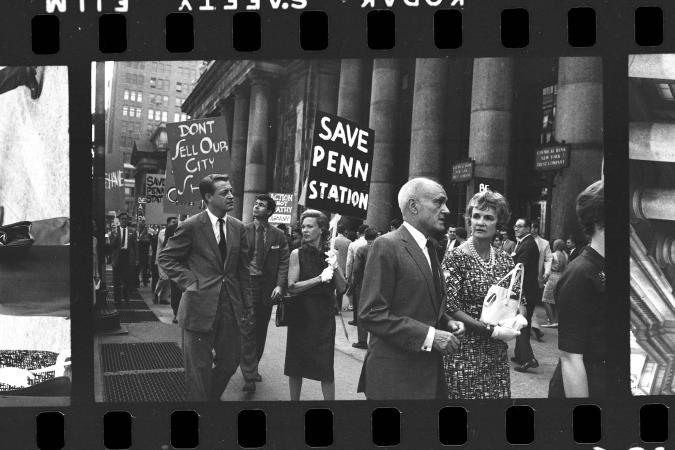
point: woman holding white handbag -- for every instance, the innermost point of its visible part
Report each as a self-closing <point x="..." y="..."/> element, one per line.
<point x="476" y="274"/>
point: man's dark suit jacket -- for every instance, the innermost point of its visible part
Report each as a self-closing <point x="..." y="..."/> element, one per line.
<point x="116" y="246"/>
<point x="398" y="304"/>
<point x="527" y="253"/>
<point x="275" y="257"/>
<point x="192" y="255"/>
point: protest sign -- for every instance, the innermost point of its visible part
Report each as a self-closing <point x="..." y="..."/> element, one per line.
<point x="285" y="207"/>
<point x="197" y="148"/>
<point x="340" y="166"/>
<point x="154" y="187"/>
<point x="172" y="206"/>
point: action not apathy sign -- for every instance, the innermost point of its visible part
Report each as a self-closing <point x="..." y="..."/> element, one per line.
<point x="197" y="148"/>
<point x="340" y="166"/>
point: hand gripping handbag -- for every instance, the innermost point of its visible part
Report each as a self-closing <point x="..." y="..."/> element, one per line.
<point x="502" y="303"/>
<point x="284" y="313"/>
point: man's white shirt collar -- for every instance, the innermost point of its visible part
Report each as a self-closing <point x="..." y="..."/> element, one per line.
<point x="417" y="235"/>
<point x="215" y="226"/>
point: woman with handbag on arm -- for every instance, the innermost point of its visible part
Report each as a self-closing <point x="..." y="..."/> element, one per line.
<point x="313" y="279"/>
<point x="480" y="368"/>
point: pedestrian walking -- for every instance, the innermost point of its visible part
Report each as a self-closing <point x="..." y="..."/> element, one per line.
<point x="526" y="253"/>
<point x="480" y="368"/>
<point x="310" y="343"/>
<point x="558" y="265"/>
<point x="208" y="258"/>
<point x="162" y="289"/>
<point x="402" y="302"/>
<point x="360" y="258"/>
<point x="124" y="256"/>
<point x="269" y="276"/>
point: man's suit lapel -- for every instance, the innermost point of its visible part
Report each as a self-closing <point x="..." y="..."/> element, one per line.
<point x="415" y="252"/>
<point x="231" y="237"/>
<point x="210" y="237"/>
<point x="268" y="242"/>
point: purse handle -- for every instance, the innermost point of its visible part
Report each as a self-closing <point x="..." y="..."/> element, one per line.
<point x="518" y="268"/>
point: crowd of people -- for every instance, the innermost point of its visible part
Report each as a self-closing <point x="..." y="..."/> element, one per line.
<point x="417" y="293"/>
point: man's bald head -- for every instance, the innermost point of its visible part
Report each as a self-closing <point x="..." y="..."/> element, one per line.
<point x="422" y="204"/>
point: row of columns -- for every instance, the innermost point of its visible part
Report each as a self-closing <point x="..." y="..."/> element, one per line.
<point x="578" y="122"/>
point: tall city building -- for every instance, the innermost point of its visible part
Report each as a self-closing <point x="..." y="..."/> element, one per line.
<point x="144" y="96"/>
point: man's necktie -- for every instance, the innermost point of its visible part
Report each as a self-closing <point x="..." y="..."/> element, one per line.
<point x="259" y="247"/>
<point x="222" y="245"/>
<point x="435" y="267"/>
<point x="124" y="238"/>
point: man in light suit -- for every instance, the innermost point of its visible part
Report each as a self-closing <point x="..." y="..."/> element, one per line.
<point x="527" y="253"/>
<point x="124" y="258"/>
<point x="269" y="276"/>
<point x="208" y="258"/>
<point x="402" y="303"/>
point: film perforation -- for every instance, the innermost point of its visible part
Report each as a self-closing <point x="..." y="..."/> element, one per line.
<point x="648" y="26"/>
<point x="314" y="30"/>
<point x="252" y="428"/>
<point x="381" y="25"/>
<point x="587" y="424"/>
<point x="46" y="34"/>
<point x="515" y="28"/>
<point x="386" y="426"/>
<point x="581" y="27"/>
<point x="520" y="424"/>
<point x="117" y="430"/>
<point x="453" y="425"/>
<point x="179" y="32"/>
<point x="654" y="423"/>
<point x="247" y="32"/>
<point x="319" y="427"/>
<point x="49" y="427"/>
<point x="448" y="29"/>
<point x="185" y="429"/>
<point x="112" y="33"/>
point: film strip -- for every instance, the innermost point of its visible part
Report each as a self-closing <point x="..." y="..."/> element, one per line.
<point x="534" y="94"/>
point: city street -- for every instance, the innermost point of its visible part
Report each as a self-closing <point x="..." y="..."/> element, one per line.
<point x="150" y="375"/>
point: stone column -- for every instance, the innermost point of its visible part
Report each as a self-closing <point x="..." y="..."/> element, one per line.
<point x="428" y="118"/>
<point x="384" y="105"/>
<point x="350" y="94"/>
<point x="491" y="117"/>
<point x="255" y="181"/>
<point x="653" y="203"/>
<point x="329" y="75"/>
<point x="238" y="146"/>
<point x="652" y="141"/>
<point x="578" y="122"/>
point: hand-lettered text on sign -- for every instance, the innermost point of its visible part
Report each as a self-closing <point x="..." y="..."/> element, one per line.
<point x="285" y="207"/>
<point x="197" y="148"/>
<point x="340" y="166"/>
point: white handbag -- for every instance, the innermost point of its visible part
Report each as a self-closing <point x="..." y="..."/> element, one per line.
<point x="499" y="304"/>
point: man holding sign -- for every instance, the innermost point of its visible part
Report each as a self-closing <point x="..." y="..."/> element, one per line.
<point x="208" y="258"/>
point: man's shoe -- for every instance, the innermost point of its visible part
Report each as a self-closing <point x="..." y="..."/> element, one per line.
<point x="249" y="387"/>
<point x="538" y="335"/>
<point x="515" y="360"/>
<point x="531" y="364"/>
<point x="258" y="378"/>
<point x="361" y="345"/>
<point x="352" y="322"/>
<point x="174" y="320"/>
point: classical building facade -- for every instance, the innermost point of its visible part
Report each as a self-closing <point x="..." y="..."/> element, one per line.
<point x="652" y="231"/>
<point x="143" y="96"/>
<point x="427" y="114"/>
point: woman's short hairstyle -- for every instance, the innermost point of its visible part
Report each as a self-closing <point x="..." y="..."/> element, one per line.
<point x="591" y="207"/>
<point x="321" y="221"/>
<point x="558" y="244"/>
<point x="489" y="199"/>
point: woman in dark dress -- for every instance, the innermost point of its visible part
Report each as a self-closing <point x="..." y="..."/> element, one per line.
<point x="310" y="344"/>
<point x="480" y="368"/>
<point x="582" y="308"/>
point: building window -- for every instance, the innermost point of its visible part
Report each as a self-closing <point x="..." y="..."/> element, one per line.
<point x="153" y="82"/>
<point x="139" y="97"/>
<point x="164" y="116"/>
<point x="176" y="117"/>
<point x="178" y="101"/>
<point x="154" y="66"/>
<point x="166" y="101"/>
<point x="158" y="115"/>
<point x="126" y="95"/>
<point x="183" y="117"/>
<point x="125" y="110"/>
<point x="150" y="114"/>
<point x="179" y="87"/>
<point x="133" y="96"/>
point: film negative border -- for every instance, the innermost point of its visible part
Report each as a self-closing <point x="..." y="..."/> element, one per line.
<point x="151" y="425"/>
